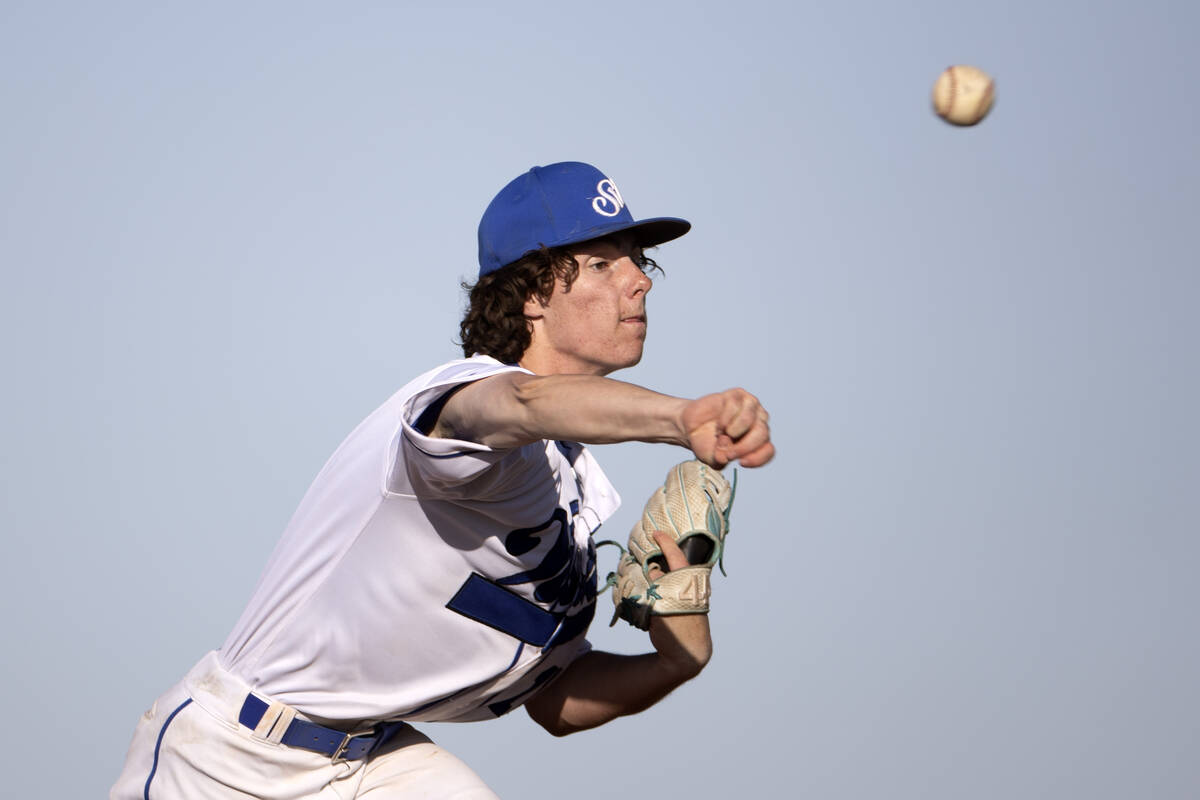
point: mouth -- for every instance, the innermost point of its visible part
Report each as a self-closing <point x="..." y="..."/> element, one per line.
<point x="636" y="319"/>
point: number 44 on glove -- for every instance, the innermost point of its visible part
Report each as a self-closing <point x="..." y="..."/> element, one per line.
<point x="692" y="506"/>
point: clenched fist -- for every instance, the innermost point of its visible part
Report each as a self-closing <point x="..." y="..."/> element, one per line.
<point x="728" y="426"/>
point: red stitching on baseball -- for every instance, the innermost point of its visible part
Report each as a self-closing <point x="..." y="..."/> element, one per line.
<point x="985" y="101"/>
<point x="953" y="90"/>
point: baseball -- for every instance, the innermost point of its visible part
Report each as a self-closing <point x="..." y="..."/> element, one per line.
<point x="963" y="95"/>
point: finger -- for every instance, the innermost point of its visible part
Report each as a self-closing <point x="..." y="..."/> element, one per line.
<point x="755" y="438"/>
<point x="745" y="418"/>
<point x="732" y="401"/>
<point x="705" y="447"/>
<point x="758" y="435"/>
<point x="723" y="452"/>
<point x="675" y="557"/>
<point x="759" y="457"/>
<point x="710" y="447"/>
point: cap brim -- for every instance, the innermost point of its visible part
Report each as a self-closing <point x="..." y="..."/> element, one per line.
<point x="646" y="232"/>
<point x="656" y="231"/>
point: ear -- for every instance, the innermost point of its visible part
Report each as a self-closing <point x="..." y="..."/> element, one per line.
<point x="534" y="307"/>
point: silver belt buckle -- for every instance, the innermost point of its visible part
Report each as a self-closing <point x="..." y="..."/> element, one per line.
<point x="339" y="754"/>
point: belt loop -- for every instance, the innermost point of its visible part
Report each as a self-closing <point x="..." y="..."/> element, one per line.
<point x="279" y="723"/>
<point x="275" y="720"/>
<point x="284" y="719"/>
<point x="263" y="729"/>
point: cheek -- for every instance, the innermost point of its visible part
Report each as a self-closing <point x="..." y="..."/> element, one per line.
<point x="590" y="317"/>
<point x="594" y="315"/>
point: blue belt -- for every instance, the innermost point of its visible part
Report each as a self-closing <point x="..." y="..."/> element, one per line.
<point x="338" y="745"/>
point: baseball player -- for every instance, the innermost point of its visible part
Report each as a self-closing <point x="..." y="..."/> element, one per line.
<point x="441" y="567"/>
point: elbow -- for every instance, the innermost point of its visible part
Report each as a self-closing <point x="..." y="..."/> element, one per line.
<point x="558" y="728"/>
<point x="554" y="724"/>
<point x="549" y="715"/>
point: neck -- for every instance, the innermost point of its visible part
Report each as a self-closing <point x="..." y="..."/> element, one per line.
<point x="540" y="361"/>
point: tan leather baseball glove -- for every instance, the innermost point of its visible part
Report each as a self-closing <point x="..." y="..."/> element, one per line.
<point x="692" y="506"/>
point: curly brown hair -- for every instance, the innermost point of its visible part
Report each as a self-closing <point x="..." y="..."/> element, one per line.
<point x="495" y="323"/>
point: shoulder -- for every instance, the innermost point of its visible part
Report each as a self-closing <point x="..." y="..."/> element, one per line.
<point x="431" y="384"/>
<point x="464" y="370"/>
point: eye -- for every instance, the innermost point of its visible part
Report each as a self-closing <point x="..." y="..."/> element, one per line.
<point x="598" y="265"/>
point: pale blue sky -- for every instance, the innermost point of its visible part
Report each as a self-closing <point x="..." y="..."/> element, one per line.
<point x="228" y="231"/>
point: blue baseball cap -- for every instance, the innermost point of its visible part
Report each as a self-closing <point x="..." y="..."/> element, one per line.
<point x="561" y="204"/>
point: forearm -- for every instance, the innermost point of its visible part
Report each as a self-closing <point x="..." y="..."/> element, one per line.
<point x="513" y="410"/>
<point x="598" y="687"/>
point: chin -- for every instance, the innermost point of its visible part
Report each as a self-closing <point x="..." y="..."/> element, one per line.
<point x="615" y="366"/>
<point x="632" y="361"/>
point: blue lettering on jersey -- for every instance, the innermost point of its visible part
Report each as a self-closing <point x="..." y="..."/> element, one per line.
<point x="563" y="574"/>
<point x="565" y="578"/>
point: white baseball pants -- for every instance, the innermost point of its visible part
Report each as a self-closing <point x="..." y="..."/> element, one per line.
<point x="190" y="746"/>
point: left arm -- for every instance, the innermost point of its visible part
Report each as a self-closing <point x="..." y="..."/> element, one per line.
<point x="598" y="687"/>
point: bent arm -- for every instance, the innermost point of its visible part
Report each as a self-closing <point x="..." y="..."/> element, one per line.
<point x="514" y="409"/>
<point x="598" y="687"/>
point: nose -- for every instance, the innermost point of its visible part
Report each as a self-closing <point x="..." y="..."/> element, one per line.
<point x="641" y="283"/>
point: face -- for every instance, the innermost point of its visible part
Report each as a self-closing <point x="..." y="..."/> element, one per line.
<point x="599" y="324"/>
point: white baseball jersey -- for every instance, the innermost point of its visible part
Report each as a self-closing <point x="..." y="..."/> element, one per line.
<point x="427" y="579"/>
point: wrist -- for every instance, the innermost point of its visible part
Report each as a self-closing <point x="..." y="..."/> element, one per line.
<point x="675" y="428"/>
<point x="682" y="643"/>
